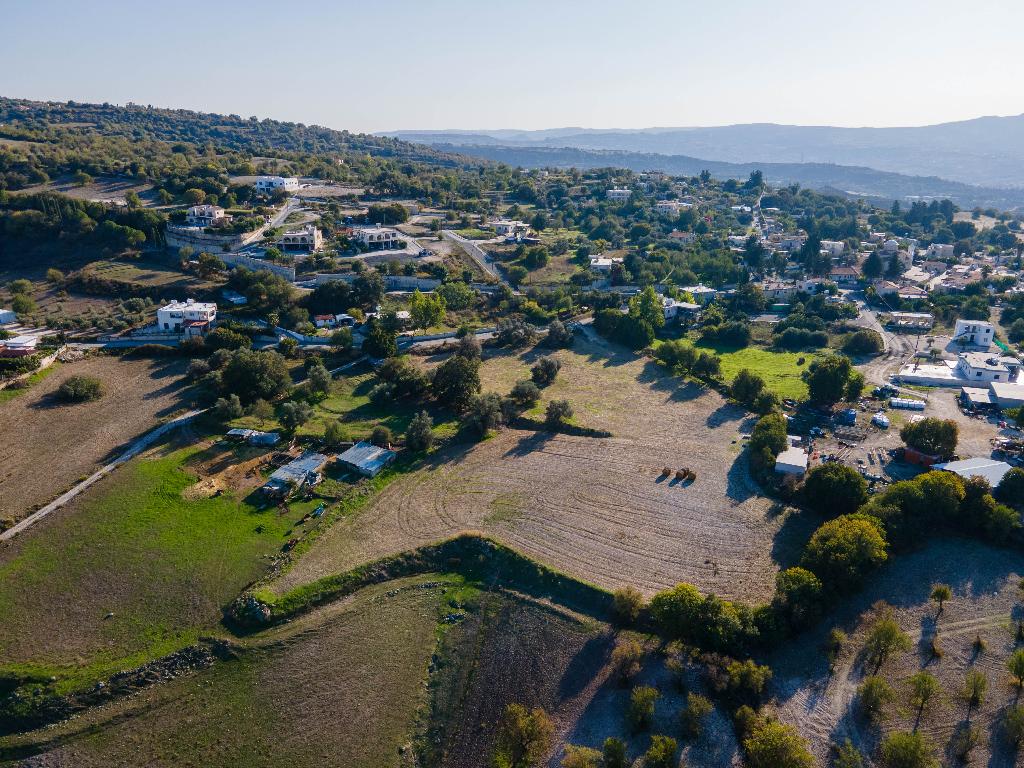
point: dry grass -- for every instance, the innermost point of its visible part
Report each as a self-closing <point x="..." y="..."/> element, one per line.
<point x="109" y="189"/>
<point x="597" y="509"/>
<point x="48" y="446"/>
<point x="986" y="603"/>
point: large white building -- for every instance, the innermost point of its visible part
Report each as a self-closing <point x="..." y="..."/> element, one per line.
<point x="980" y="366"/>
<point x="270" y="184"/>
<point x="378" y="238"/>
<point x="189" y="317"/>
<point x="618" y="195"/>
<point x="977" y="333"/>
<point x="309" y="238"/>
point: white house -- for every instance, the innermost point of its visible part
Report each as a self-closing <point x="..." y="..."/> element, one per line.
<point x="270" y="184"/>
<point x="978" y="333"/>
<point x="618" y="195"/>
<point x="309" y="238"/>
<point x="378" y="238"/>
<point x="777" y="290"/>
<point x="673" y="309"/>
<point x="206" y="216"/>
<point x="833" y="247"/>
<point x="670" y="207"/>
<point x="792" y="242"/>
<point x="18" y="346"/>
<point x="604" y="263"/>
<point x="701" y="293"/>
<point x="508" y="226"/>
<point x="189" y="317"/>
<point x="979" y="366"/>
<point x="939" y="251"/>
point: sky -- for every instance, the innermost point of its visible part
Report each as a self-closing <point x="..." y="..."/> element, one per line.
<point x="380" y="65"/>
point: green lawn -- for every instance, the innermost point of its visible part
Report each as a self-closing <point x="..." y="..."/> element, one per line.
<point x="10" y="393"/>
<point x="779" y="370"/>
<point x="130" y="572"/>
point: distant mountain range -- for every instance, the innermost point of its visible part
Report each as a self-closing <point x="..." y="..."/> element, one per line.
<point x="975" y="162"/>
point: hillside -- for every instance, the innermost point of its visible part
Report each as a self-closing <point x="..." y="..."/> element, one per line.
<point x="987" y="151"/>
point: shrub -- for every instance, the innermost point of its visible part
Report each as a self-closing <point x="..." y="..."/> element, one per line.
<point x="661" y="753"/>
<point x="469" y="346"/>
<point x="844" y="550"/>
<point x="556" y="414"/>
<point x="676" y="355"/>
<point x="484" y="413"/>
<point x="614" y="753"/>
<point x="515" y="333"/>
<point x="885" y="639"/>
<point x="80" y="389"/>
<point x="420" y="434"/>
<point x="691" y="719"/>
<point x="873" y="694"/>
<point x="798" y="597"/>
<point x="835" y="489"/>
<point x="381" y="436"/>
<point x="746" y="387"/>
<point x="524" y="737"/>
<point x="641" y="707"/>
<point x="580" y="757"/>
<point x="627" y="602"/>
<point x="559" y="334"/>
<point x="706" y="621"/>
<point x="545" y="370"/>
<point x="525" y="393"/>
<point x="772" y="744"/>
<point x="907" y="750"/>
<point x="625" y="661"/>
<point x="863" y="342"/>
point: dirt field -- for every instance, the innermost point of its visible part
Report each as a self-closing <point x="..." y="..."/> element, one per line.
<point x="107" y="190"/>
<point x="69" y="441"/>
<point x="986" y="602"/>
<point x="339" y="687"/>
<point x="595" y="508"/>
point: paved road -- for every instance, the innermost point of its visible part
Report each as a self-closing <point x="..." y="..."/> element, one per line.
<point x="133" y="450"/>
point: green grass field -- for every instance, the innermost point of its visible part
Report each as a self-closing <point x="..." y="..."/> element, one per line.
<point x="12" y="392"/>
<point x="129" y="572"/>
<point x="780" y="370"/>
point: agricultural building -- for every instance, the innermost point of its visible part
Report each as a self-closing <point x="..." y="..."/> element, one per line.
<point x="367" y="459"/>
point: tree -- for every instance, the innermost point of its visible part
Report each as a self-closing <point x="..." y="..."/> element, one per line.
<point x="691" y="719"/>
<point x="544" y="371"/>
<point x="834" y="645"/>
<point x="646" y="307"/>
<point x="1011" y="488"/>
<point x="844" y="550"/>
<point x="262" y="411"/>
<point x="228" y="408"/>
<point x="556" y="414"/>
<point x="381" y="436"/>
<point x="923" y="688"/>
<point x="872" y="696"/>
<point x="975" y="685"/>
<point x="1013" y="724"/>
<point x="469" y="346"/>
<point x="772" y="744"/>
<point x="525" y="394"/>
<point x="287" y="346"/>
<point x="254" y="375"/>
<point x="381" y="341"/>
<point x="426" y="310"/>
<point x="627" y="602"/>
<point x="746" y="387"/>
<point x="580" y="757"/>
<point x="23" y="304"/>
<point x="320" y="379"/>
<point x="194" y="196"/>
<point x="873" y="266"/>
<point x="334" y="433"/>
<point x="524" y="737"/>
<point x="863" y="343"/>
<point x="827" y="379"/>
<point x="641" y="706"/>
<point x="797" y="596"/>
<point x="514" y="332"/>
<point x="940" y="594"/>
<point x="847" y="756"/>
<point x="886" y="638"/>
<point x="835" y="489"/>
<point x="484" y="413"/>
<point x="661" y="753"/>
<point x="457" y="295"/>
<point x="625" y="660"/>
<point x="676" y="355"/>
<point x="516" y="274"/>
<point x="907" y="750"/>
<point x="342" y="339"/>
<point x="559" y="334"/>
<point x="420" y="434"/>
<point x="294" y="414"/>
<point x="80" y="389"/>
<point x="1015" y="333"/>
<point x="455" y="382"/>
<point x="614" y="753"/>
<point x="932" y="436"/>
<point x="1016" y="666"/>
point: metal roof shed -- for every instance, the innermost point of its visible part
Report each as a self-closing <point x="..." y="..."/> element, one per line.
<point x="990" y="469"/>
<point x="792" y="461"/>
<point x="367" y="459"/>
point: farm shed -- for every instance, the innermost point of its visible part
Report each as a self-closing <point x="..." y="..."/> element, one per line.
<point x="990" y="469"/>
<point x="253" y="436"/>
<point x="792" y="461"/>
<point x="367" y="459"/>
<point x="976" y="398"/>
<point x="296" y="474"/>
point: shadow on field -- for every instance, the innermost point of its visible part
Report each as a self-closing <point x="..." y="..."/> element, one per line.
<point x="723" y="414"/>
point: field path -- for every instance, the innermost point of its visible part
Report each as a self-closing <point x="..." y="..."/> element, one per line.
<point x="133" y="450"/>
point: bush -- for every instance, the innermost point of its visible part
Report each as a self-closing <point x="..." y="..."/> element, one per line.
<point x="456" y="381"/>
<point x="559" y="334"/>
<point x="732" y="333"/>
<point x="798" y="597"/>
<point x="873" y="695"/>
<point x="676" y="355"/>
<point x="556" y="414"/>
<point x="641" y="707"/>
<point x="705" y="621"/>
<point x="80" y="389"/>
<point x="661" y="753"/>
<point x="907" y="750"/>
<point x="746" y="387"/>
<point x="524" y="737"/>
<point x="381" y="436"/>
<point x="484" y="413"/>
<point x="580" y="757"/>
<point x="469" y="346"/>
<point x="525" y="394"/>
<point x="842" y="551"/>
<point x="932" y="436"/>
<point x="228" y="408"/>
<point x="625" y="661"/>
<point x="515" y="333"/>
<point x="627" y="602"/>
<point x="691" y="719"/>
<point x="614" y="753"/>
<point x="772" y="744"/>
<point x="294" y="414"/>
<point x="834" y="489"/>
<point x="801" y="338"/>
<point x="863" y="343"/>
<point x="420" y="434"/>
<point x="545" y="370"/>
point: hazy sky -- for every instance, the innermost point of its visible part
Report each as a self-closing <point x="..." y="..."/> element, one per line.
<point x="389" y="64"/>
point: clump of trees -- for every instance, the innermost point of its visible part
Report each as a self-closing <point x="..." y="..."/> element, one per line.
<point x="545" y="370"/>
<point x="931" y="435"/>
<point x="767" y="440"/>
<point x="844" y="550"/>
<point x="80" y="389"/>
<point x="833" y="378"/>
<point x="834" y="489"/>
